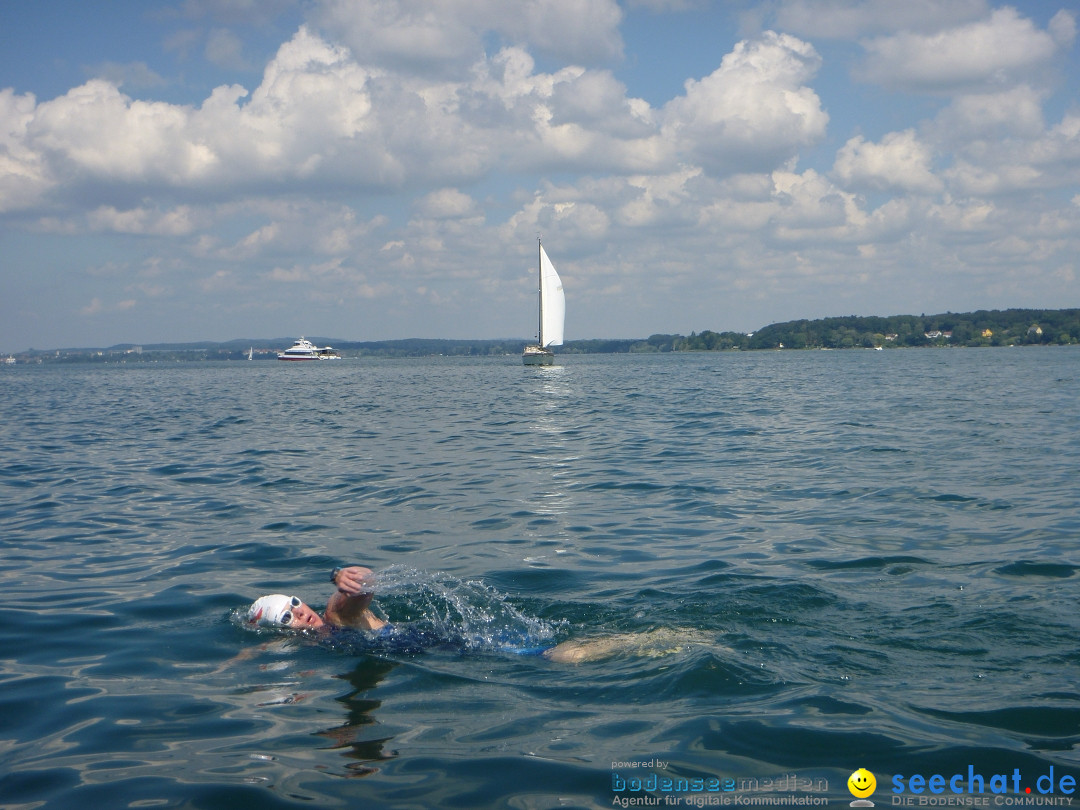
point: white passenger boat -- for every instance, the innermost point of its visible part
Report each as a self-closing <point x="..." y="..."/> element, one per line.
<point x="304" y="349"/>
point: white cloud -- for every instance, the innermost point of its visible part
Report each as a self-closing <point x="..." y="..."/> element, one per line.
<point x="994" y="167"/>
<point x="284" y="181"/>
<point x="984" y="181"/>
<point x="575" y="30"/>
<point x="250" y="12"/>
<point x="179" y="221"/>
<point x="132" y="74"/>
<point x="847" y="19"/>
<point x="447" y="203"/>
<point x="319" y="118"/>
<point x="808" y="202"/>
<point x="290" y="228"/>
<point x="256" y="243"/>
<point x="224" y="49"/>
<point x="409" y="36"/>
<point x="1062" y="28"/>
<point x="579" y="119"/>
<point x="97" y="307"/>
<point x="95" y="132"/>
<point x="662" y="200"/>
<point x="978" y="116"/>
<point x="576" y="214"/>
<point x="660" y="6"/>
<point x="308" y="273"/>
<point x="444" y="40"/>
<point x="314" y="100"/>
<point x="312" y="109"/>
<point x="221" y="281"/>
<point x="989" y="52"/>
<point x="963" y="216"/>
<point x="809" y="210"/>
<point x="899" y="161"/>
<point x="182" y="42"/>
<point x="24" y="175"/>
<point x="754" y="111"/>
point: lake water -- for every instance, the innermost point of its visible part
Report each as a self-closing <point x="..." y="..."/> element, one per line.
<point x="816" y="562"/>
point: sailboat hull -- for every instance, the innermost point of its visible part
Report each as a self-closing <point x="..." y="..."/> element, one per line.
<point x="536" y="356"/>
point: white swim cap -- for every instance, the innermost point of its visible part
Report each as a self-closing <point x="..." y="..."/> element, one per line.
<point x="274" y="610"/>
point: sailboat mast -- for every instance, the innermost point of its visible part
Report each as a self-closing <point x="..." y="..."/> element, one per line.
<point x="540" y="295"/>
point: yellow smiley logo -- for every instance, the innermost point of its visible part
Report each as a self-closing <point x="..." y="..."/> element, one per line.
<point x="861" y="783"/>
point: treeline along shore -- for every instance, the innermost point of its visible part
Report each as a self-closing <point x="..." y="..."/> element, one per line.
<point x="1010" y="327"/>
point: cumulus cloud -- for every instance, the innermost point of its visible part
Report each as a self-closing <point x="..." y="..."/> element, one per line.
<point x="224" y="48"/>
<point x="24" y="175"/>
<point x="447" y="203"/>
<point x="963" y="216"/>
<point x="977" y="116"/>
<point x="987" y="52"/>
<point x="131" y="74"/>
<point x="179" y="221"/>
<point x="576" y="213"/>
<point x="250" y="12"/>
<point x="754" y="111"/>
<point x="414" y="36"/>
<point x="900" y="161"/>
<point x="666" y="200"/>
<point x="319" y="118"/>
<point x="573" y="118"/>
<point x="1049" y="161"/>
<point x="94" y="131"/>
<point x="808" y="202"/>
<point x="1062" y="28"/>
<point x="312" y="108"/>
<point x="290" y="228"/>
<point x="97" y="307"/>
<point x="808" y="210"/>
<point x="846" y="19"/>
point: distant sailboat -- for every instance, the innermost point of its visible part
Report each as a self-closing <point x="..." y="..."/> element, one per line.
<point x="552" y="314"/>
<point x="251" y="352"/>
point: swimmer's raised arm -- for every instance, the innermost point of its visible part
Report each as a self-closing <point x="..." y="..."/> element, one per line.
<point x="354" y="580"/>
<point x="350" y="604"/>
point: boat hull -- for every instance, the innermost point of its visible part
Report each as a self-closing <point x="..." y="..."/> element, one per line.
<point x="536" y="356"/>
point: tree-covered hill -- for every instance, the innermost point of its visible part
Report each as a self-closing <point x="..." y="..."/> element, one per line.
<point x="1009" y="327"/>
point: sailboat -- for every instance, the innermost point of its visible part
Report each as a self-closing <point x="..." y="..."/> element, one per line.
<point x="552" y="314"/>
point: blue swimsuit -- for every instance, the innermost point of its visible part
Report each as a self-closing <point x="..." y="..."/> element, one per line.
<point x="391" y="638"/>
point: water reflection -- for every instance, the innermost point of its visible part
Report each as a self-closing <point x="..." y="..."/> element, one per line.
<point x="357" y="737"/>
<point x="547" y="400"/>
<point x="551" y="414"/>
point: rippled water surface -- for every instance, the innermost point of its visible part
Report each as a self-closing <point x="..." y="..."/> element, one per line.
<point x="812" y="562"/>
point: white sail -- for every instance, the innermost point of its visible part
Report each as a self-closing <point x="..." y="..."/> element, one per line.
<point x="552" y="303"/>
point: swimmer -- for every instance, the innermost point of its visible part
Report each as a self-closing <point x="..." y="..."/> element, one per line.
<point x="350" y="607"/>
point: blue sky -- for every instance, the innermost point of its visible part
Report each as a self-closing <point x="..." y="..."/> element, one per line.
<point x="367" y="169"/>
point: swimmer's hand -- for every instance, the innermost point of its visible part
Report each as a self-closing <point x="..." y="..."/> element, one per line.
<point x="348" y="607"/>
<point x="355" y="581"/>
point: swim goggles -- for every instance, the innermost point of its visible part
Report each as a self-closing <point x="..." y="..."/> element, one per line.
<point x="285" y="619"/>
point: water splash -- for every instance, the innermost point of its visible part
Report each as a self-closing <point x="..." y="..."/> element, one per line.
<point x="433" y="609"/>
<point x="455" y="611"/>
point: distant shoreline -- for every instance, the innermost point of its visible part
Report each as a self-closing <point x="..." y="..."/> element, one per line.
<point x="1012" y="327"/>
